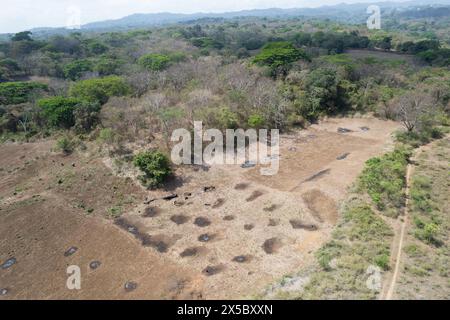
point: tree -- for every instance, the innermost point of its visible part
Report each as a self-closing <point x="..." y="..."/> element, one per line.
<point x="59" y="111"/>
<point x="22" y="36"/>
<point x="75" y="69"/>
<point x="155" y="166"/>
<point x="99" y="89"/>
<point x="19" y="92"/>
<point x="154" y="61"/>
<point x="278" y="56"/>
<point x="412" y="107"/>
<point x="321" y="93"/>
<point x="97" y="48"/>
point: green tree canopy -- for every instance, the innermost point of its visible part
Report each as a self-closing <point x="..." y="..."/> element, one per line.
<point x="59" y="111"/>
<point x="99" y="89"/>
<point x="154" y="61"/>
<point x="279" y="55"/>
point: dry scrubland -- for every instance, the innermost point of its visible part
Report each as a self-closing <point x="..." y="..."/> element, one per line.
<point x="229" y="234"/>
<point x="85" y="125"/>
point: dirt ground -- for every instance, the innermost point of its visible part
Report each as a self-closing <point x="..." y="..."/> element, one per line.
<point x="229" y="234"/>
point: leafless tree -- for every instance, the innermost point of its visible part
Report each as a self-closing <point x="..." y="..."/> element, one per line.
<point x="412" y="107"/>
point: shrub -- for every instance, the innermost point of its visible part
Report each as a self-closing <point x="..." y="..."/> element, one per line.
<point x="227" y="119"/>
<point x="65" y="145"/>
<point x="256" y="121"/>
<point x="99" y="89"/>
<point x="107" y="135"/>
<point x="86" y="116"/>
<point x="155" y="166"/>
<point x="428" y="233"/>
<point x="382" y="261"/>
<point x="154" y="61"/>
<point x="419" y="138"/>
<point x="384" y="179"/>
<point x="59" y="111"/>
<point x="19" y="92"/>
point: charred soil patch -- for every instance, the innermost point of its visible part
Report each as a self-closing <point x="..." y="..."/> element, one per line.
<point x="272" y="245"/>
<point x="297" y="224"/>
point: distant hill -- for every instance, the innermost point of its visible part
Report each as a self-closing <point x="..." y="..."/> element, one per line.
<point x="351" y="13"/>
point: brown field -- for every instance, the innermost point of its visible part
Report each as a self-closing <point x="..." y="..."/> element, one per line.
<point x="229" y="234"/>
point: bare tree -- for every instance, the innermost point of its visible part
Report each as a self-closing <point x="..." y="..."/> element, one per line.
<point x="412" y="107"/>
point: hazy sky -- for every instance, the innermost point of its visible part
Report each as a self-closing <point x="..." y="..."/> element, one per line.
<point x="19" y="15"/>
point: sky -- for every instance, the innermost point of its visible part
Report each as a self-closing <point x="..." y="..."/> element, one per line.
<point x="19" y="15"/>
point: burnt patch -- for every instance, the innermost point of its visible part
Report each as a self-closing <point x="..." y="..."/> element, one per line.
<point x="178" y="203"/>
<point x="344" y="130"/>
<point x="156" y="242"/>
<point x="179" y="219"/>
<point x="272" y="245"/>
<point x="70" y="251"/>
<point x="125" y="225"/>
<point x="343" y="157"/>
<point x="228" y="218"/>
<point x="242" y="259"/>
<point x="273" y="222"/>
<point x="95" y="265"/>
<point x="151" y="212"/>
<point x="9" y="263"/>
<point x="297" y="224"/>
<point x="249" y="227"/>
<point x="255" y="195"/>
<point x="218" y="203"/>
<point x="209" y="189"/>
<point x="241" y="186"/>
<point x="130" y="286"/>
<point x="318" y="175"/>
<point x="190" y="252"/>
<point x="248" y="164"/>
<point x="202" y="222"/>
<point x="206" y="237"/>
<point x="212" y="270"/>
<point x="170" y="197"/>
<point x="271" y="208"/>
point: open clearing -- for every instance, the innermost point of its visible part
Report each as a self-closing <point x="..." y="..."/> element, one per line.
<point x="229" y="233"/>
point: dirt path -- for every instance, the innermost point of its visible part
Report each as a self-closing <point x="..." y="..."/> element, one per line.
<point x="399" y="246"/>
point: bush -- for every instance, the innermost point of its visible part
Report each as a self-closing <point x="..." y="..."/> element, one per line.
<point x="86" y="116"/>
<point x="107" y="135"/>
<point x="155" y="166"/>
<point x="59" y="111"/>
<point x="383" y="261"/>
<point x="99" y="89"/>
<point x="227" y="119"/>
<point x="154" y="61"/>
<point x="19" y="92"/>
<point x="256" y="121"/>
<point x="384" y="180"/>
<point x="65" y="145"/>
<point x="417" y="139"/>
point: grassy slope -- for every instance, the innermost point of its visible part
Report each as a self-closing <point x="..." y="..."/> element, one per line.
<point x="426" y="257"/>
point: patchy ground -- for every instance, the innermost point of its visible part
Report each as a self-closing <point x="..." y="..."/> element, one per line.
<point x="229" y="233"/>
